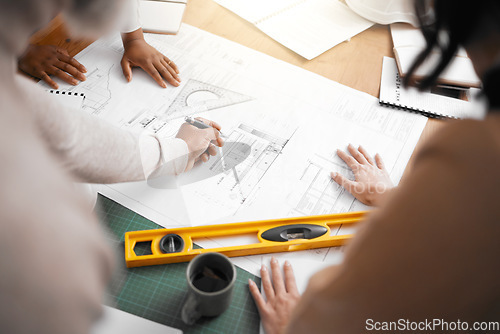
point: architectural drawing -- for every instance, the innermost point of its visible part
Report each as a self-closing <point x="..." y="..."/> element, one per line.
<point x="220" y="188"/>
<point x="318" y="193"/>
<point x="246" y="159"/>
<point x="97" y="90"/>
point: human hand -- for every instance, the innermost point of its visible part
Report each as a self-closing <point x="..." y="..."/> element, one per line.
<point x="40" y="61"/>
<point x="201" y="142"/>
<point x="282" y="297"/>
<point x="372" y="181"/>
<point x="138" y="53"/>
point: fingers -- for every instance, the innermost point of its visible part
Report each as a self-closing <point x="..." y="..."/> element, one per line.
<point x="204" y="157"/>
<point x="167" y="73"/>
<point x="73" y="62"/>
<point x="213" y="135"/>
<point x="350" y="161"/>
<point x="215" y="131"/>
<point x="349" y="185"/>
<point x="212" y="150"/>
<point x="159" y="71"/>
<point x="357" y="155"/>
<point x="366" y="155"/>
<point x="266" y="283"/>
<point x="45" y="77"/>
<point x="62" y="51"/>
<point x="209" y="122"/>
<point x="153" y="72"/>
<point x="57" y="72"/>
<point x="257" y="296"/>
<point x="70" y="69"/>
<point x="278" y="283"/>
<point x="170" y="72"/>
<point x="171" y="64"/>
<point x="290" y="283"/>
<point x="127" y="69"/>
<point x="379" y="161"/>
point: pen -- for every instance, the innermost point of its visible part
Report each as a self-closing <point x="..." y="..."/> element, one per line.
<point x="195" y="122"/>
<point x="199" y="124"/>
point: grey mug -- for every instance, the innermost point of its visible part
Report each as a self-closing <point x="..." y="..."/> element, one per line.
<point x="210" y="280"/>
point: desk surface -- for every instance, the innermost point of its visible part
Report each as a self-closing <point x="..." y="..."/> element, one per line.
<point x="357" y="63"/>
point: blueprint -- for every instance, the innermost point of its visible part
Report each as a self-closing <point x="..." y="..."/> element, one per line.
<point x="282" y="125"/>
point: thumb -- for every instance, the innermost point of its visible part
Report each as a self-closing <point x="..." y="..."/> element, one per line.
<point x="127" y="69"/>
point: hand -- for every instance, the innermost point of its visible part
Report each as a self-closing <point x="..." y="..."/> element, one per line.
<point x="372" y="180"/>
<point x="40" y="61"/>
<point x="138" y="53"/>
<point x="201" y="142"/>
<point x="282" y="297"/>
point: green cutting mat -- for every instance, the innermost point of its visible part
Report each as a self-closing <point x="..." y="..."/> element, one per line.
<point x="157" y="292"/>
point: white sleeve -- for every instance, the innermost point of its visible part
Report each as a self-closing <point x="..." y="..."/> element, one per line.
<point x="98" y="152"/>
<point x="133" y="19"/>
<point x="55" y="260"/>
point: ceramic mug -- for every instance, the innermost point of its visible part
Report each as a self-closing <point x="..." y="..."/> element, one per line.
<point x="210" y="280"/>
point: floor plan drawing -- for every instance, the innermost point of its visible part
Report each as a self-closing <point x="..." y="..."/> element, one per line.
<point x="97" y="90"/>
<point x="320" y="194"/>
<point x="245" y="160"/>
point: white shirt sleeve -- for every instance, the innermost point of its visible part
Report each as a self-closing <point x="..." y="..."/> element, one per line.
<point x="55" y="260"/>
<point x="98" y="152"/>
<point x="133" y="19"/>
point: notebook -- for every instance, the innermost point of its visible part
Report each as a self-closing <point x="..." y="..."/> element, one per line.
<point x="68" y="99"/>
<point x="458" y="103"/>
<point x="162" y="16"/>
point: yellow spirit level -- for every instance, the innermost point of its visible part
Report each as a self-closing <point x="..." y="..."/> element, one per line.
<point x="276" y="235"/>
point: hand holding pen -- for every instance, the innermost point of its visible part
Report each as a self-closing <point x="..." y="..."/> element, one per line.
<point x="202" y="137"/>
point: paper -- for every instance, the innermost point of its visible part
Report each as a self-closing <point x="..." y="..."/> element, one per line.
<point x="392" y="93"/>
<point x="409" y="42"/>
<point x="160" y="16"/>
<point x="307" y="27"/>
<point x="116" y="321"/>
<point x="68" y="99"/>
<point x="385" y="12"/>
<point x="283" y="125"/>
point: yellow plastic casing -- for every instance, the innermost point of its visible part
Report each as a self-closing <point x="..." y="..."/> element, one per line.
<point x="255" y="228"/>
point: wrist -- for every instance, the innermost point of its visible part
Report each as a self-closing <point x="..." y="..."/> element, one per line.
<point x="381" y="197"/>
<point x="131" y="37"/>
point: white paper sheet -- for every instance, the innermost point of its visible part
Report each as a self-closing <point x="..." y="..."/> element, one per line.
<point x="307" y="27"/>
<point x="71" y="100"/>
<point x="115" y="321"/>
<point x="291" y="119"/>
